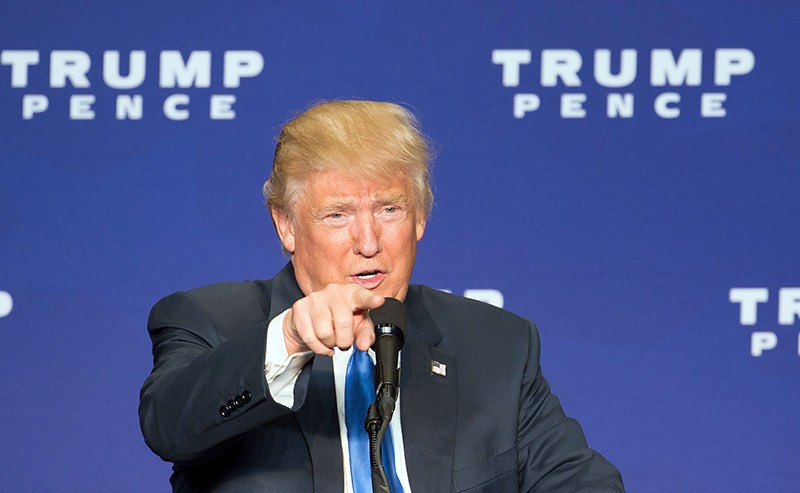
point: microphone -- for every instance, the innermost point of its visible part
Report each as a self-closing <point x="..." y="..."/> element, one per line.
<point x="390" y="334"/>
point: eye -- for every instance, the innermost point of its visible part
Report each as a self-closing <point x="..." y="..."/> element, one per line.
<point x="391" y="212"/>
<point x="336" y="219"/>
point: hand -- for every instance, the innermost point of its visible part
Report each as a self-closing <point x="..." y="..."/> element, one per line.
<point x="333" y="317"/>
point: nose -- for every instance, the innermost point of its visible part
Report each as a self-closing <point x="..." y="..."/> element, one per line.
<point x="366" y="236"/>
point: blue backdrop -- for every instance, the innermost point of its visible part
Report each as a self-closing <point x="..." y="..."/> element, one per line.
<point x="617" y="171"/>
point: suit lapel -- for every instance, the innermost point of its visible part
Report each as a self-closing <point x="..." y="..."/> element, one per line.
<point x="428" y="403"/>
<point x="317" y="418"/>
<point x="319" y="422"/>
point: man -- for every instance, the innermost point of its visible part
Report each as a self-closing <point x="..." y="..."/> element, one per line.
<point x="247" y="391"/>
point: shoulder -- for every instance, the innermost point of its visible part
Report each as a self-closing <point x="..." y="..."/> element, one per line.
<point x="226" y="301"/>
<point x="459" y="306"/>
<point x="228" y="293"/>
<point x="451" y="312"/>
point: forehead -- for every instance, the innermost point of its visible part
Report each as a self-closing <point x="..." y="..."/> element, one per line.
<point x="328" y="186"/>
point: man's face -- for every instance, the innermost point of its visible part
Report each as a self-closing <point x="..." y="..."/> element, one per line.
<point x="350" y="231"/>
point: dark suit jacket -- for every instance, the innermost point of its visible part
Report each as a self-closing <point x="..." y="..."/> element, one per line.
<point x="490" y="424"/>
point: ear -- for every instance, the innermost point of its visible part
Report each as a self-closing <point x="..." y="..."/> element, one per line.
<point x="285" y="228"/>
<point x="420" y="220"/>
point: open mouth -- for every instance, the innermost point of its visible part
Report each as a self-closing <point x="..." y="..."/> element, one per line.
<point x="369" y="279"/>
<point x="368" y="275"/>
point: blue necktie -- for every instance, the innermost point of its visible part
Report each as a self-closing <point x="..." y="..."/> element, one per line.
<point x="359" y="393"/>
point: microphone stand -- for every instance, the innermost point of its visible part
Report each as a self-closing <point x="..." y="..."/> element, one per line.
<point x="379" y="415"/>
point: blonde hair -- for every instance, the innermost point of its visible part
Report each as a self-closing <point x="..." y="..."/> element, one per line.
<point x="366" y="139"/>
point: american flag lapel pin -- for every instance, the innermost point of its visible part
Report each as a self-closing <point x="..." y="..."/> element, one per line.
<point x="438" y="368"/>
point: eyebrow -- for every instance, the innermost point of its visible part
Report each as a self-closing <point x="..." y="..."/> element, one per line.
<point x="334" y="206"/>
<point x="391" y="198"/>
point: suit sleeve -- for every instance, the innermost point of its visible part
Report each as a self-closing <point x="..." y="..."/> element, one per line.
<point x="553" y="455"/>
<point x="204" y="391"/>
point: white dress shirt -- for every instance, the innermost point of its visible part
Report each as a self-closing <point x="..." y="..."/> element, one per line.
<point x="281" y="372"/>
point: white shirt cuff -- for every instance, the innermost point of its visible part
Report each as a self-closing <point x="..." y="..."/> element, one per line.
<point x="280" y="369"/>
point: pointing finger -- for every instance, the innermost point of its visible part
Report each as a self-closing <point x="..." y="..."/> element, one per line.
<point x="364" y="299"/>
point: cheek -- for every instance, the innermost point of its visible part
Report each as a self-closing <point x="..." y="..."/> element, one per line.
<point x="327" y="247"/>
<point x="402" y="243"/>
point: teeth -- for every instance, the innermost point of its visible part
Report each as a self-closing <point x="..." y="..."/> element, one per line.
<point x="367" y="276"/>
